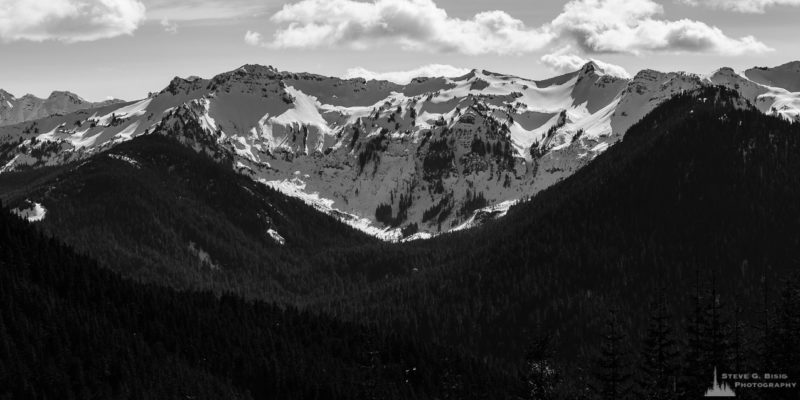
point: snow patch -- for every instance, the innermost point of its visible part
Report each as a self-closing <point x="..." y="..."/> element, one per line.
<point x="133" y="110"/>
<point x="484" y="214"/>
<point x="276" y="236"/>
<point x="126" y="159"/>
<point x="418" y="236"/>
<point x="305" y="112"/>
<point x="34" y="212"/>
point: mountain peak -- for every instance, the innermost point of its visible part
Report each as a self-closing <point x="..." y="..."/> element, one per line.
<point x="590" y="67"/>
<point x="785" y="76"/>
<point x="724" y="71"/>
<point x="648" y="75"/>
<point x="258" y="69"/>
<point x="787" y="66"/>
<point x="600" y="69"/>
<point x="469" y="75"/>
<point x="6" y="96"/>
<point x="63" y="93"/>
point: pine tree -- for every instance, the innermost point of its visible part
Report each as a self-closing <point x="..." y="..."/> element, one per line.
<point x="612" y="374"/>
<point x="658" y="378"/>
<point x="692" y="380"/>
<point x="740" y="342"/>
<point x="717" y="336"/>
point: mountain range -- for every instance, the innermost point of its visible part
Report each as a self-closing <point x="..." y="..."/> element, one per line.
<point x="14" y="110"/>
<point x="396" y="161"/>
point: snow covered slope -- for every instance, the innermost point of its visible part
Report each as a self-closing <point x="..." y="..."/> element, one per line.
<point x="773" y="100"/>
<point x="14" y="110"/>
<point x="394" y="160"/>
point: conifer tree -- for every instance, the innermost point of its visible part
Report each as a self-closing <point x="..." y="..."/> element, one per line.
<point x="692" y="379"/>
<point x="658" y="379"/>
<point x="612" y="376"/>
<point x="717" y="335"/>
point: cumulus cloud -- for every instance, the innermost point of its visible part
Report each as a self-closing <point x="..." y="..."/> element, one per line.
<point x="404" y="77"/>
<point x="69" y="20"/>
<point x="631" y="26"/>
<point x="564" y="62"/>
<point x="253" y="38"/>
<point x="743" y="6"/>
<point x="594" y="26"/>
<point x="408" y="24"/>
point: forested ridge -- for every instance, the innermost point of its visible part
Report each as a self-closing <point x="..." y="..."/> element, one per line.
<point x="147" y="208"/>
<point x="70" y="329"/>
<point x="673" y="253"/>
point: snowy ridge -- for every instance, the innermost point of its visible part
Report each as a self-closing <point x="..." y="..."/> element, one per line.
<point x="415" y="160"/>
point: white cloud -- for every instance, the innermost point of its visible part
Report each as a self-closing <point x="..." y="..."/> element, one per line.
<point x="169" y="26"/>
<point x="563" y="61"/>
<point x="404" y="77"/>
<point x="253" y="38"/>
<point x="595" y="26"/>
<point x="68" y="20"/>
<point x="631" y="26"/>
<point x="406" y="24"/>
<point x="743" y="6"/>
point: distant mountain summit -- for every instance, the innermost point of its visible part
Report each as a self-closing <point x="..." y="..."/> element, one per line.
<point x="14" y="110"/>
<point x="397" y="161"/>
<point x="784" y="76"/>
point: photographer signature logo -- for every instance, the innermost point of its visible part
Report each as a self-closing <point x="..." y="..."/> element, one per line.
<point x="719" y="390"/>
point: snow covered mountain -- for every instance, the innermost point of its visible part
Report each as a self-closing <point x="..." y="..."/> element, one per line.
<point x="14" y="110"/>
<point x="394" y="160"/>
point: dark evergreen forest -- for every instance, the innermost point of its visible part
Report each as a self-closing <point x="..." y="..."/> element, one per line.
<point x="70" y="329"/>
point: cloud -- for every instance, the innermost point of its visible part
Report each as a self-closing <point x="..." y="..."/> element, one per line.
<point x="417" y="25"/>
<point x="69" y="20"/>
<point x="742" y="6"/>
<point x="169" y="26"/>
<point x="631" y="26"/>
<point x="404" y="77"/>
<point x="564" y="62"/>
<point x="594" y="26"/>
<point x="253" y="38"/>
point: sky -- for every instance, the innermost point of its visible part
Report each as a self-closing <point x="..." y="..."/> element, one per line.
<point x="124" y="49"/>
